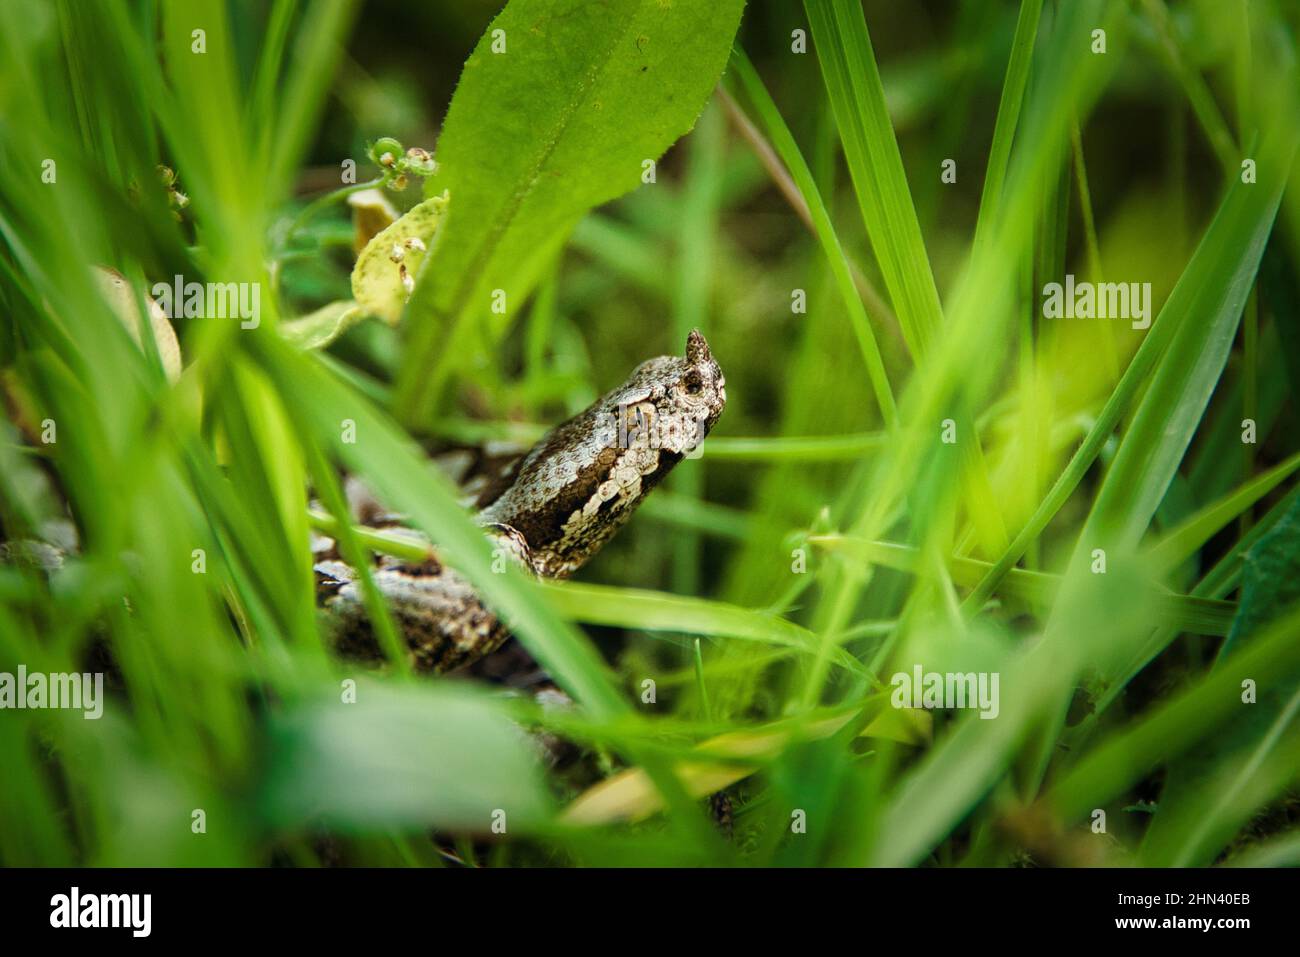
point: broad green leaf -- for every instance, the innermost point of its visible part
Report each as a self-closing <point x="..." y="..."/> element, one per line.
<point x="1212" y="792"/>
<point x="558" y="109"/>
<point x="416" y="756"/>
<point x="1176" y="725"/>
<point x="1182" y="542"/>
<point x="1270" y="578"/>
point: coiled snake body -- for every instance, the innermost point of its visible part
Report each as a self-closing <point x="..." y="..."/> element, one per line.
<point x="550" y="510"/>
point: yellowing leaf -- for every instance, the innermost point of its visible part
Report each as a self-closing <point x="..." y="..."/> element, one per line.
<point x="121" y="298"/>
<point x="386" y="269"/>
<point x="372" y="212"/>
<point x="318" y="329"/>
<point x="631" y="796"/>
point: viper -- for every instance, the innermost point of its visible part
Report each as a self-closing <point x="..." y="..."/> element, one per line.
<point x="550" y="510"/>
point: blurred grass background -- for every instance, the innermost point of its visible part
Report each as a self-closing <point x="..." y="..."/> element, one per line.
<point x="923" y="305"/>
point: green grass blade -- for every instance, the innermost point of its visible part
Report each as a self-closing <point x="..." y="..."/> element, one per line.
<point x="1174" y="727"/>
<point x="406" y="481"/>
<point x="657" y="611"/>
<point x="1180" y="387"/>
<point x="1004" y="129"/>
<point x="785" y="145"/>
<point x="1180" y="543"/>
<point x="1189" y="613"/>
<point x="1223" y="265"/>
<point x="839" y="32"/>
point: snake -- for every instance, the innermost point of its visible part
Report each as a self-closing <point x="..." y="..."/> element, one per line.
<point x="549" y="510"/>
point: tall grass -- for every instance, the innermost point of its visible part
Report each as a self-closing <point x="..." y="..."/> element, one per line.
<point x="829" y="538"/>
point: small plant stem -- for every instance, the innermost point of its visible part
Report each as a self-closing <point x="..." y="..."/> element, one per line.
<point x="321" y="202"/>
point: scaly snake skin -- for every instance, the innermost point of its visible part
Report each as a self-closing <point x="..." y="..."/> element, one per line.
<point x="551" y="511"/>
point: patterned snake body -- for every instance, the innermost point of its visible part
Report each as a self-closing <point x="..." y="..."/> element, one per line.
<point x="550" y="511"/>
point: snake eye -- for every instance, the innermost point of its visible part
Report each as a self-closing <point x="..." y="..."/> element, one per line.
<point x="694" y="384"/>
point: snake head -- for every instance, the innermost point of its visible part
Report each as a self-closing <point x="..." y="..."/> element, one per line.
<point x="581" y="482"/>
<point x="678" y="399"/>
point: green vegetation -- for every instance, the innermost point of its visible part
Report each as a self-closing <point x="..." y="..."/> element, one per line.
<point x="919" y="467"/>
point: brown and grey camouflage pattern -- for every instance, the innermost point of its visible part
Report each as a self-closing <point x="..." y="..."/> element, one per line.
<point x="550" y="510"/>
